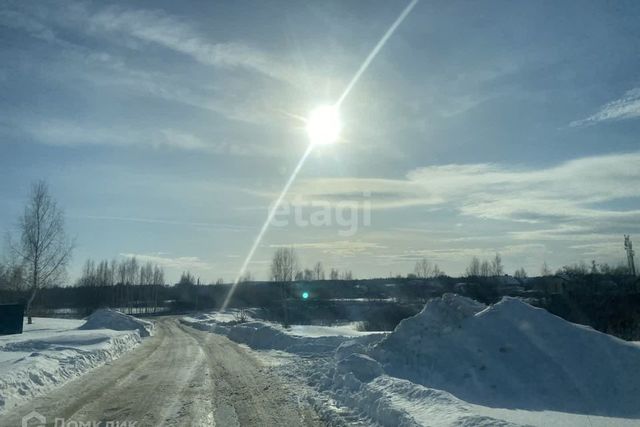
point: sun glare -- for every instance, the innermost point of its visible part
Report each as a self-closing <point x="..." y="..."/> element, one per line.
<point x="323" y="125"/>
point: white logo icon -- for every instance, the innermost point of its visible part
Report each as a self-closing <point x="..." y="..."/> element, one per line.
<point x="34" y="419"/>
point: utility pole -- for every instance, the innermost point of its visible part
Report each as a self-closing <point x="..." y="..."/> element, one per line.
<point x="628" y="246"/>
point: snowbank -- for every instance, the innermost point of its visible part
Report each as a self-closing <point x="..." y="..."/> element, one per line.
<point x="334" y="361"/>
<point x="390" y="401"/>
<point x="52" y="352"/>
<point x="117" y="321"/>
<point x="512" y="355"/>
<point x="458" y="363"/>
<point x="269" y="336"/>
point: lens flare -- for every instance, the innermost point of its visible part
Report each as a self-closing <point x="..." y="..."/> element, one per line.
<point x="265" y="226"/>
<point x="323" y="125"/>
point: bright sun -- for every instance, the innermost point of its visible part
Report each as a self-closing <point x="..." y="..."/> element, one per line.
<point x="323" y="125"/>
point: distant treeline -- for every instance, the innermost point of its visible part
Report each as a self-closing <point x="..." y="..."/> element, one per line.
<point x="126" y="284"/>
<point x="609" y="303"/>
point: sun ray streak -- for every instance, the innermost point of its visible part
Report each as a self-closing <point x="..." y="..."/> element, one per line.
<point x="265" y="226"/>
<point x="375" y="51"/>
<point x="310" y="147"/>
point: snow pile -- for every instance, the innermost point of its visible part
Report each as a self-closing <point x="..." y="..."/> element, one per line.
<point x="335" y="363"/>
<point x="231" y="316"/>
<point x="361" y="366"/>
<point x="512" y="355"/>
<point x="346" y="330"/>
<point x="389" y="401"/>
<point x="117" y="321"/>
<point x="260" y="335"/>
<point x="458" y="363"/>
<point x="300" y="339"/>
<point x="358" y="384"/>
<point x="52" y="352"/>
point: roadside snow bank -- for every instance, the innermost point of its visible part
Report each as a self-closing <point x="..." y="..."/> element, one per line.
<point x="456" y="363"/>
<point x="390" y="401"/>
<point x="117" y="321"/>
<point x="263" y="336"/>
<point x="513" y="355"/>
<point x="42" y="359"/>
<point x="299" y="339"/>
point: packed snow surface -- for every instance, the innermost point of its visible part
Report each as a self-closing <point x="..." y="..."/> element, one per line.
<point x="52" y="352"/>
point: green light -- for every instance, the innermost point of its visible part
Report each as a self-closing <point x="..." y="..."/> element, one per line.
<point x="305" y="295"/>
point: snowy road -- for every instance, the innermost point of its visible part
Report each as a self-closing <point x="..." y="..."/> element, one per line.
<point x="178" y="377"/>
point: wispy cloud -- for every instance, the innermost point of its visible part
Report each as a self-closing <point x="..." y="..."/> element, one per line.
<point x="69" y="133"/>
<point x="20" y="21"/>
<point x="627" y="107"/>
<point x="563" y="193"/>
<point x="449" y="253"/>
<point x="136" y="27"/>
<point x="120" y="31"/>
<point x="167" y="31"/>
<point x="179" y="263"/>
<point x="341" y="247"/>
<point x="163" y="222"/>
<point x="61" y="132"/>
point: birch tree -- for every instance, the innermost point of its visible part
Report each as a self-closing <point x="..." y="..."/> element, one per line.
<point x="43" y="246"/>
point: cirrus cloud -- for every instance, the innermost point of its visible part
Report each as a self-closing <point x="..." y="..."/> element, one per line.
<point x="627" y="107"/>
<point x="576" y="190"/>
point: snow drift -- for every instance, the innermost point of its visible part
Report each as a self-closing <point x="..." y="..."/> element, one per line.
<point x="52" y="352"/>
<point x="268" y="336"/>
<point x="43" y="359"/>
<point x="117" y="321"/>
<point x="513" y="355"/>
<point x="457" y="363"/>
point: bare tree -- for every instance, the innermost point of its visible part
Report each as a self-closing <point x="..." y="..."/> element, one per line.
<point x="307" y="274"/>
<point x="284" y="265"/>
<point x="158" y="275"/>
<point x="158" y="280"/>
<point x="485" y="269"/>
<point x="246" y="277"/>
<point x="473" y="270"/>
<point x="347" y="275"/>
<point x="187" y="279"/>
<point x="12" y="276"/>
<point x="545" y="270"/>
<point x="334" y="275"/>
<point x="318" y="271"/>
<point x="104" y="273"/>
<point x="520" y="273"/>
<point x="437" y="272"/>
<point x="496" y="266"/>
<point x="423" y="269"/>
<point x="121" y="274"/>
<point x="88" y="277"/>
<point x="132" y="269"/>
<point x="44" y="247"/>
<point x="579" y="269"/>
<point x="284" y="268"/>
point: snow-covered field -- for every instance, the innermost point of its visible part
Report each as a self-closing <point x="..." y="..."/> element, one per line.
<point x="457" y="362"/>
<point x="52" y="352"/>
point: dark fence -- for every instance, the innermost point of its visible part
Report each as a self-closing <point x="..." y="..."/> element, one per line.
<point x="11" y="318"/>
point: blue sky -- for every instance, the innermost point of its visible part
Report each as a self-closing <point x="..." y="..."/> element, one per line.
<point x="166" y="129"/>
